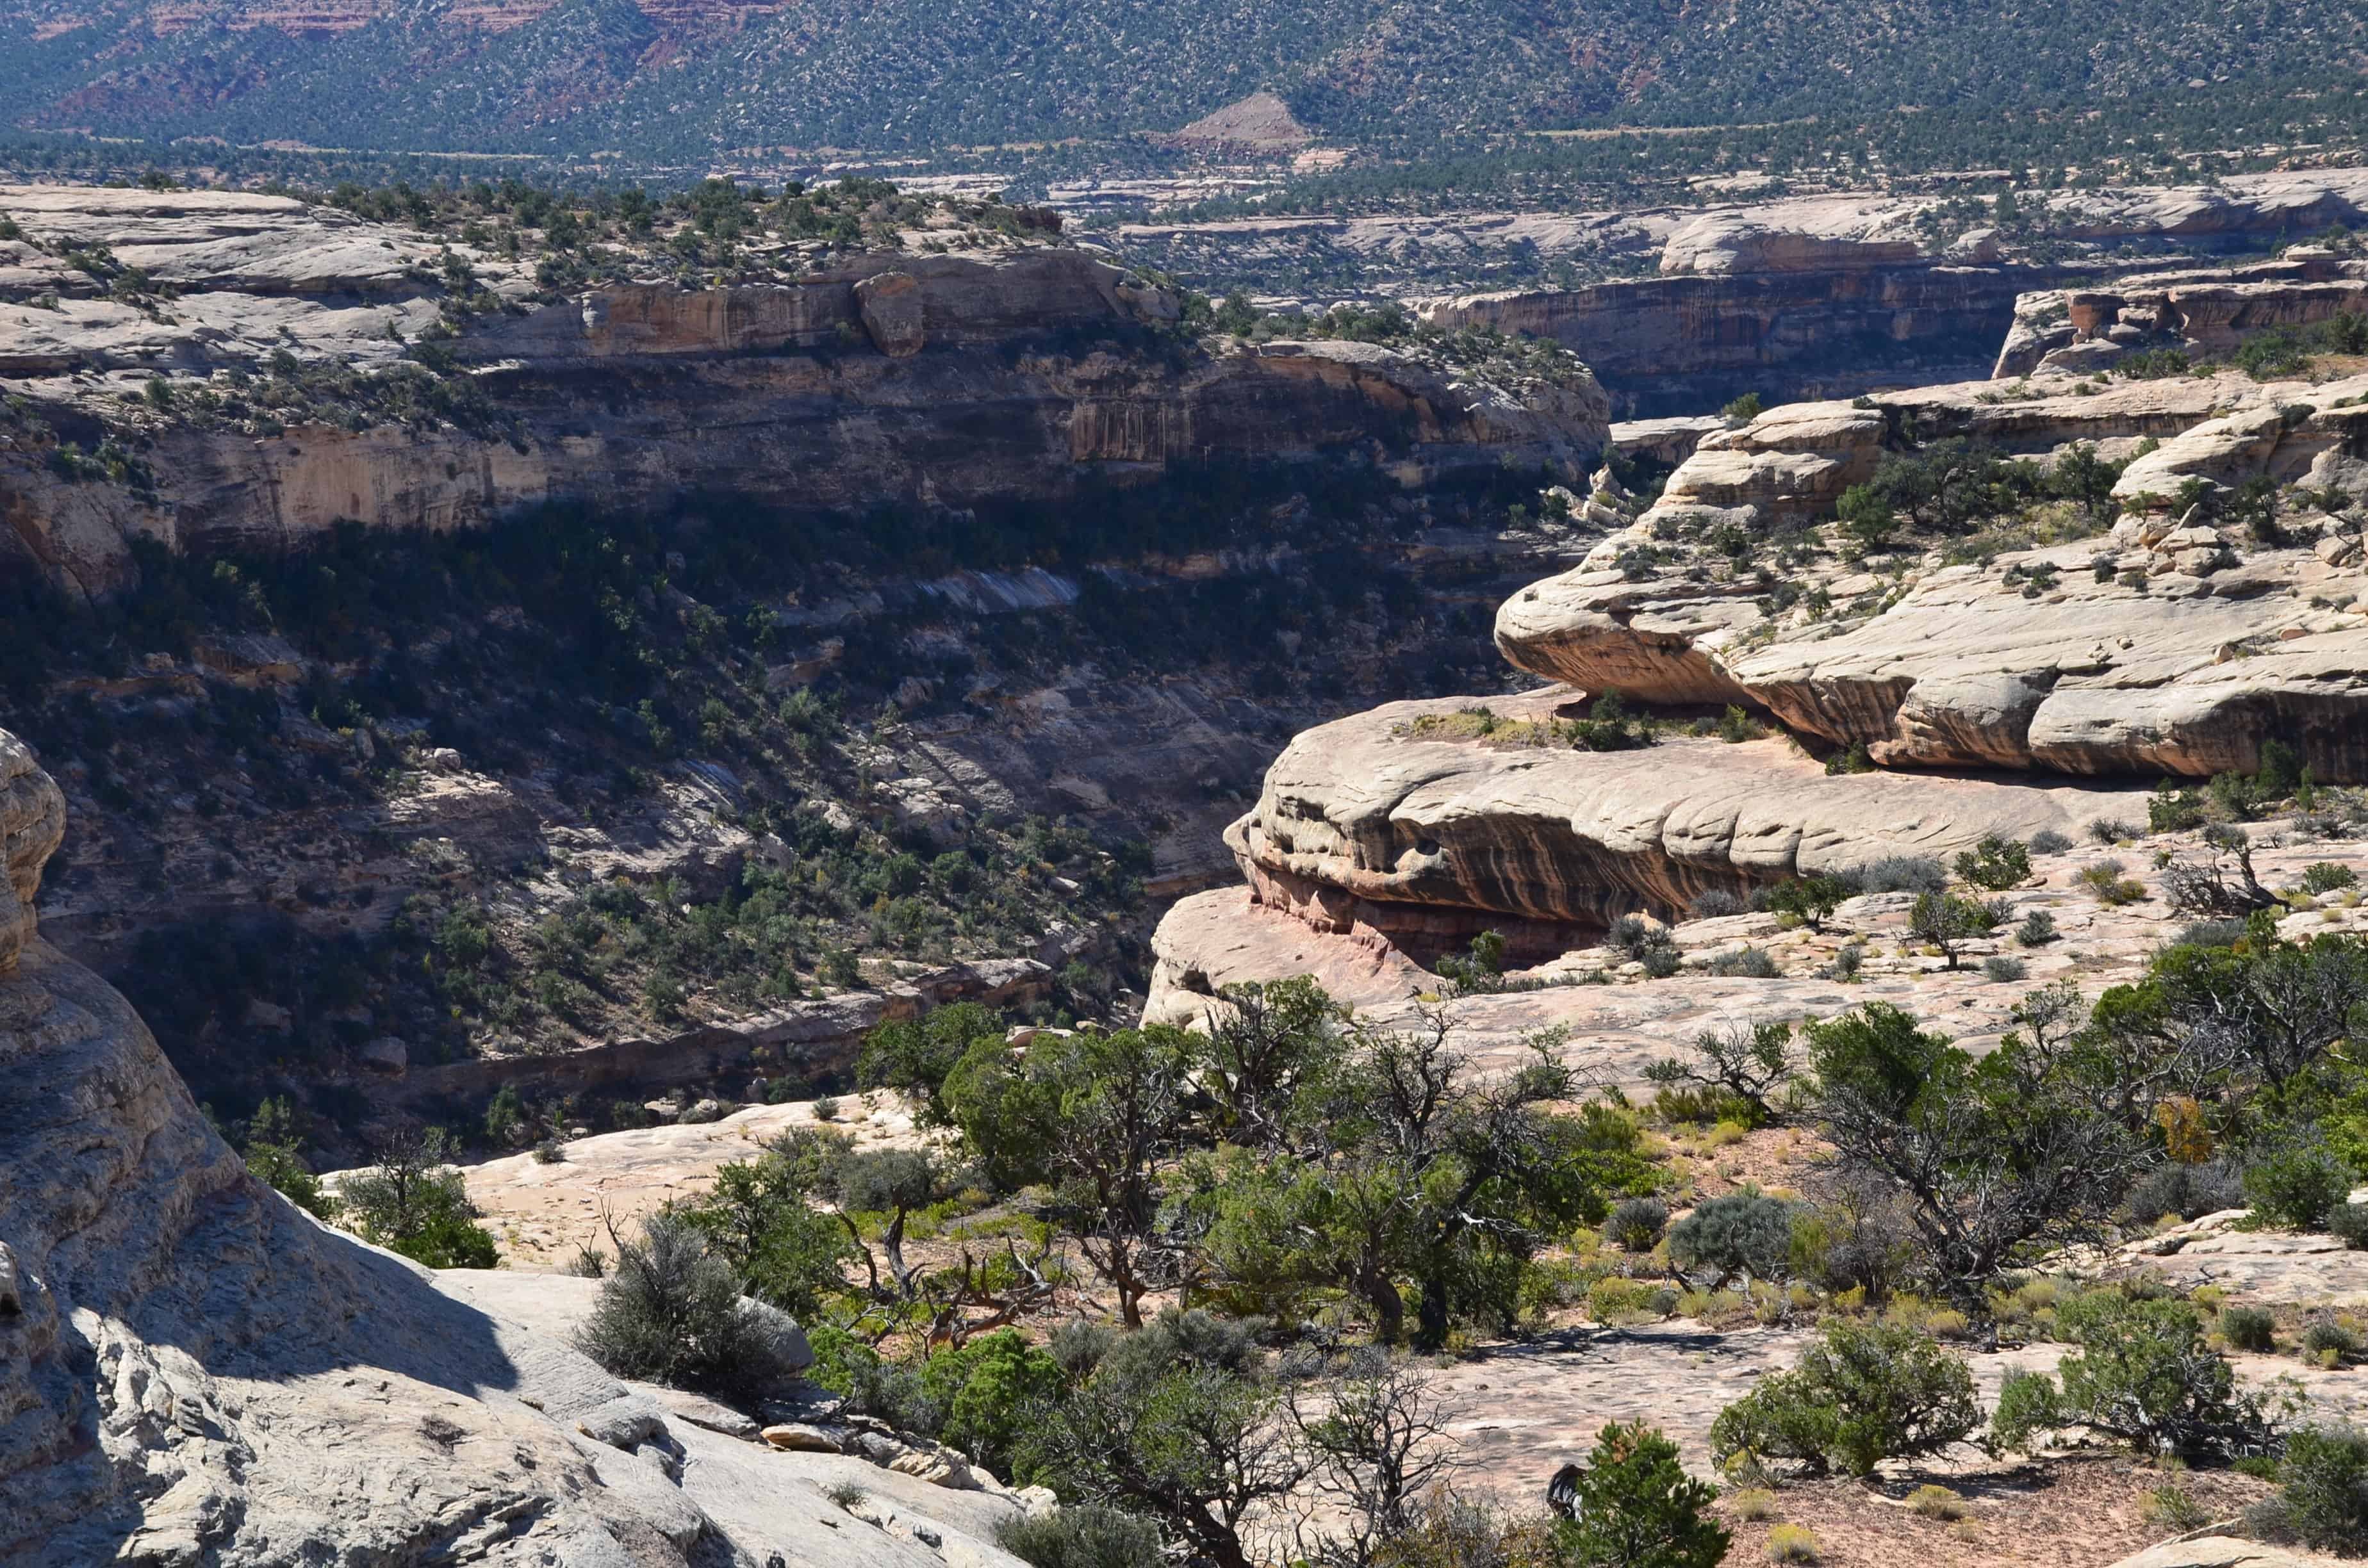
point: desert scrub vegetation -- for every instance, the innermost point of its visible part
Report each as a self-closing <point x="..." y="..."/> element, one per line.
<point x="1610" y="725"/>
<point x="1256" y="1158"/>
<point x="1341" y="1193"/>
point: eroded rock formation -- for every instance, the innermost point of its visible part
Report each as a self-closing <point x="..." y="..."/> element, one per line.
<point x="2161" y="647"/>
<point x="1427" y="835"/>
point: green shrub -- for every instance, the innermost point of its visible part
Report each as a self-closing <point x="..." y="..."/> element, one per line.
<point x="1081" y="1536"/>
<point x="1637" y="1507"/>
<point x="2038" y="929"/>
<point x="2144" y="1376"/>
<point x="1936" y="1502"/>
<point x="2106" y="882"/>
<point x="2296" y="1185"/>
<point x="1745" y="1233"/>
<point x="2174" y="1507"/>
<point x="2348" y="1222"/>
<point x="987" y="1390"/>
<point x="2247" y="1328"/>
<point x="2322" y="1498"/>
<point x="2326" y="876"/>
<point x="2174" y="809"/>
<point x="1995" y="864"/>
<point x="1863" y="1394"/>
<point x="411" y="1204"/>
<point x="1635" y="1224"/>
<point x="1810" y="899"/>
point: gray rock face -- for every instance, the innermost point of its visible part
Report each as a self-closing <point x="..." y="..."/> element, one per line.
<point x="192" y="1371"/>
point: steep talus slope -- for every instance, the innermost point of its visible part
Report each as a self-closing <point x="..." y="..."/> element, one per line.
<point x="192" y="1371"/>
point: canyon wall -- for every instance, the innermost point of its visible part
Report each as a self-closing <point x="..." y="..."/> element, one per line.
<point x="1678" y="344"/>
<point x="938" y="379"/>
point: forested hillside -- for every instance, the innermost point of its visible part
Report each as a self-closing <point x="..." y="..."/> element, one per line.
<point x="695" y="77"/>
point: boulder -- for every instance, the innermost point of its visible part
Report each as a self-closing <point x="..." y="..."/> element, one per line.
<point x="782" y="1336"/>
<point x="892" y="309"/>
<point x="385" y="1055"/>
<point x="798" y="1437"/>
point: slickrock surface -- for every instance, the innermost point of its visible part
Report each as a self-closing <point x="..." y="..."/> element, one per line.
<point x="869" y="383"/>
<point x="193" y="1371"/>
<point x="1369" y="821"/>
<point x="542" y="1213"/>
<point x="1618" y="1021"/>
<point x="2162" y="647"/>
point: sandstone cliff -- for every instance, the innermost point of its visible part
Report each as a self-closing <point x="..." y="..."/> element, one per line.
<point x="939" y="380"/>
<point x="1820" y="296"/>
<point x="2156" y="648"/>
<point x="1426" y="836"/>
<point x="192" y="1371"/>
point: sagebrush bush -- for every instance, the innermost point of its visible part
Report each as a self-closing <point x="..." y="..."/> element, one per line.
<point x="669" y="1312"/>
<point x="1746" y="963"/>
<point x="2247" y="1328"/>
<point x="1746" y="1233"/>
<point x="2186" y="1191"/>
<point x="2110" y="830"/>
<point x="2348" y="1222"/>
<point x="1635" y="1224"/>
<point x="2038" y="929"/>
<point x="2326" y="1339"/>
<point x="1081" y="1536"/>
<point x="2047" y="841"/>
<point x="1899" y="874"/>
<point x="2004" y="967"/>
<point x="1715" y="902"/>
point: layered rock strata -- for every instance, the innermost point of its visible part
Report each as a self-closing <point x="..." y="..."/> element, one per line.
<point x="2161" y="647"/>
<point x="2091" y="326"/>
<point x="1424" y="835"/>
<point x="940" y="379"/>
